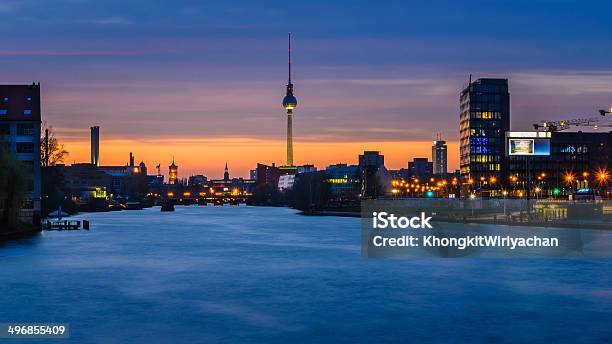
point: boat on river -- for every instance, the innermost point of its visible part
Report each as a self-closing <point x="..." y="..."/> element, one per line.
<point x="167" y="207"/>
<point x="64" y="225"/>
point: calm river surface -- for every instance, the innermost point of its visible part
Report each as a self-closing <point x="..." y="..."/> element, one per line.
<point x="255" y="275"/>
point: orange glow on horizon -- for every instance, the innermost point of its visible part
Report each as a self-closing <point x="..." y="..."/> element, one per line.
<point x="208" y="156"/>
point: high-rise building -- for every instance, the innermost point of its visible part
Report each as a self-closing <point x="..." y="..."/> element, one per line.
<point x="439" y="157"/>
<point x="20" y="132"/>
<point x="346" y="181"/>
<point x="376" y="177"/>
<point x="371" y="159"/>
<point x="420" y="168"/>
<point x="289" y="103"/>
<point x="577" y="160"/>
<point x="95" y="145"/>
<point x="172" y="173"/>
<point x="484" y="119"/>
<point x="267" y="176"/>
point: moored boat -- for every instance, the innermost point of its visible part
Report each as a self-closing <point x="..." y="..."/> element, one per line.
<point x="167" y="207"/>
<point x="133" y="206"/>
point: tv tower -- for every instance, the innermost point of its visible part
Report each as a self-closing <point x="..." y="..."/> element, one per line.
<point x="289" y="103"/>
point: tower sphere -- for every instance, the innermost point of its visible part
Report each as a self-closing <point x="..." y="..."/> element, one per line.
<point x="289" y="102"/>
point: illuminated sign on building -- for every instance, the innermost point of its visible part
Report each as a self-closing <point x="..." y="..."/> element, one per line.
<point x="529" y="143"/>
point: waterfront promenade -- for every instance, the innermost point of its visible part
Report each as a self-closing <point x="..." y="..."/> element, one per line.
<point x="258" y="274"/>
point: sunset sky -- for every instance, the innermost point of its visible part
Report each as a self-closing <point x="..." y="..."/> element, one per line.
<point x="203" y="81"/>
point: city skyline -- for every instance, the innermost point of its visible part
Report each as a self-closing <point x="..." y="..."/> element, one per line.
<point x="165" y="82"/>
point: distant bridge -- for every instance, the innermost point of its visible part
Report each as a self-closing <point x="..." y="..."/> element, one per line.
<point x="209" y="199"/>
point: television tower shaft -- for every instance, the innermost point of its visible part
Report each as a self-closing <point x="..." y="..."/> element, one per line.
<point x="289" y="103"/>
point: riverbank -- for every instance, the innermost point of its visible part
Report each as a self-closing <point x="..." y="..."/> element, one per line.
<point x="331" y="213"/>
<point x="19" y="233"/>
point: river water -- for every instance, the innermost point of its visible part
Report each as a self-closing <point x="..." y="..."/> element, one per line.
<point x="269" y="275"/>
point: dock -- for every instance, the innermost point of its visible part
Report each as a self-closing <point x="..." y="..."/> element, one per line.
<point x="65" y="225"/>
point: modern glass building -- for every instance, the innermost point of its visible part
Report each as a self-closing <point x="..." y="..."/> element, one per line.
<point x="439" y="157"/>
<point x="484" y="119"/>
<point x="577" y="161"/>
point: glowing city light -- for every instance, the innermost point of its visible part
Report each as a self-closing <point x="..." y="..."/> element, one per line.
<point x="603" y="176"/>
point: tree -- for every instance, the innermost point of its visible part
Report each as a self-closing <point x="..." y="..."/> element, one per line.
<point x="373" y="185"/>
<point x="14" y="178"/>
<point x="56" y="150"/>
<point x="268" y="195"/>
<point x="310" y="191"/>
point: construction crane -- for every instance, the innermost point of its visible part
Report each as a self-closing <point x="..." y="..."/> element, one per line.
<point x="593" y="122"/>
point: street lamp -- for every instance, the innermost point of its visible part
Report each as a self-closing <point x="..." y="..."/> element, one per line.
<point x="569" y="180"/>
<point x="472" y="197"/>
<point x="505" y="193"/>
<point x="602" y="176"/>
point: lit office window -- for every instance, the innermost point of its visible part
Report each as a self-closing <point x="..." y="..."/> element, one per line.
<point x="27" y="112"/>
<point x="3" y="112"/>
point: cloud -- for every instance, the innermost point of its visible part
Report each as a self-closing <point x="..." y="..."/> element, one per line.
<point x="113" y="21"/>
<point x="83" y="52"/>
<point x="10" y="7"/>
<point x="564" y="83"/>
<point x="7" y="8"/>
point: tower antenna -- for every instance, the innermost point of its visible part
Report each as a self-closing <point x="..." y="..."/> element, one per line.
<point x="289" y="57"/>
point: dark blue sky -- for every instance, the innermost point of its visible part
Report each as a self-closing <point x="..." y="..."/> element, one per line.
<point x="364" y="70"/>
